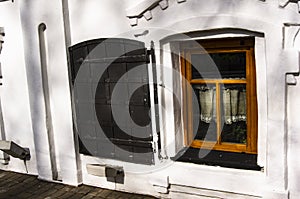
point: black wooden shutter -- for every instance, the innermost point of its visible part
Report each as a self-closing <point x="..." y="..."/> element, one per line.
<point x="113" y="59"/>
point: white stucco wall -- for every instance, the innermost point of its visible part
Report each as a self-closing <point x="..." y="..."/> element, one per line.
<point x="197" y="16"/>
<point x="292" y="119"/>
<point x="33" y="13"/>
<point x="14" y="91"/>
<point x="294" y="149"/>
<point x="93" y="19"/>
<point x="90" y="19"/>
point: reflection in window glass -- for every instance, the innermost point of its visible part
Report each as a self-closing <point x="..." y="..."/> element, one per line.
<point x="234" y="113"/>
<point x="219" y="65"/>
<point x="206" y="101"/>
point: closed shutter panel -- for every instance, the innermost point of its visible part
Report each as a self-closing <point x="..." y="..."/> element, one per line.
<point x="125" y="138"/>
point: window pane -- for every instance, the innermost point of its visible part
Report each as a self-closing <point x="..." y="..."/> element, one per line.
<point x="234" y="113"/>
<point x="205" y="126"/>
<point x="218" y="65"/>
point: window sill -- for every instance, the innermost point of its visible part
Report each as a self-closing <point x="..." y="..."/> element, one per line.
<point x="218" y="158"/>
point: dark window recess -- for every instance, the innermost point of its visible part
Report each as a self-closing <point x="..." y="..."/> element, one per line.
<point x="128" y="139"/>
<point x="219" y="65"/>
<point x="218" y="158"/>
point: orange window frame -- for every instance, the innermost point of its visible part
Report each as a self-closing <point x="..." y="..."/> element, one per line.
<point x="230" y="45"/>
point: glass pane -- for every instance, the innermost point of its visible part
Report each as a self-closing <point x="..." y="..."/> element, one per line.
<point x="205" y="126"/>
<point x="218" y="65"/>
<point x="234" y="113"/>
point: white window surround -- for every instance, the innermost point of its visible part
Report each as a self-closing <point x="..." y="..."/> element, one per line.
<point x="168" y="118"/>
<point x="178" y="169"/>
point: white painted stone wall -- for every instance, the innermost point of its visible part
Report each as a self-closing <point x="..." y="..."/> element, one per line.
<point x="33" y="13"/>
<point x="275" y="52"/>
<point x="14" y="91"/>
<point x="293" y="141"/>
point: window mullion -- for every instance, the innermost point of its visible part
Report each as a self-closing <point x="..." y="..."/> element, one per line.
<point x="218" y="112"/>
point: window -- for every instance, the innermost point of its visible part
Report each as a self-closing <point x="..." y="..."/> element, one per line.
<point x="220" y="107"/>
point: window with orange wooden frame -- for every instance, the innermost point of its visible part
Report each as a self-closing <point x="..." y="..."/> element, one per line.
<point x="220" y="105"/>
